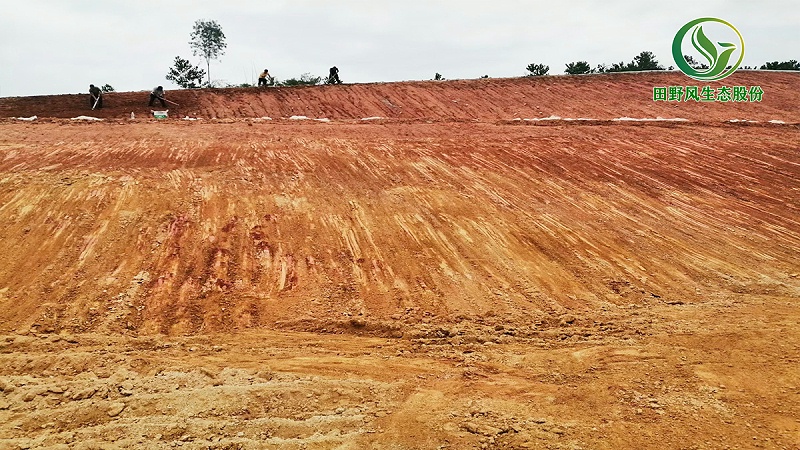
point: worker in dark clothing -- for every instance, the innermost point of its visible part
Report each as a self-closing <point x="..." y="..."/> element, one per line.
<point x="333" y="76"/>
<point x="265" y="79"/>
<point x="158" y="93"/>
<point x="95" y="97"/>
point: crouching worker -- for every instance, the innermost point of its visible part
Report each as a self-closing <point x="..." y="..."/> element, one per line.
<point x="95" y="97"/>
<point x="333" y="76"/>
<point x="158" y="93"/>
<point x="265" y="79"/>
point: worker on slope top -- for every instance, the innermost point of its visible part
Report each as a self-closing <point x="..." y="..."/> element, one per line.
<point x="333" y="76"/>
<point x="158" y="93"/>
<point x="95" y="97"/>
<point x="265" y="79"/>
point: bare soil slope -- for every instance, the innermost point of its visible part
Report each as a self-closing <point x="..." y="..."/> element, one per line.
<point x="464" y="282"/>
<point x="600" y="96"/>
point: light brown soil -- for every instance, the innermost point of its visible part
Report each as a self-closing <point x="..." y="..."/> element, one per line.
<point x="464" y="282"/>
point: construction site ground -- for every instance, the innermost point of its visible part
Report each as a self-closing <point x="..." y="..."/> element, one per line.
<point x="533" y="263"/>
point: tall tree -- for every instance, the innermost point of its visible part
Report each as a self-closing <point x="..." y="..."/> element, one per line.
<point x="208" y="41"/>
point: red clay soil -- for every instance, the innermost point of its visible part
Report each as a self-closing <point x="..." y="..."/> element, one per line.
<point x="444" y="278"/>
<point x="601" y="96"/>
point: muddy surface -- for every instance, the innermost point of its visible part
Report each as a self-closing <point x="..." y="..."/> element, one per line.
<point x="466" y="282"/>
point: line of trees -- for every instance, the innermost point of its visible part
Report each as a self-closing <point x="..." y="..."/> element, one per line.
<point x="786" y="65"/>
<point x="644" y="61"/>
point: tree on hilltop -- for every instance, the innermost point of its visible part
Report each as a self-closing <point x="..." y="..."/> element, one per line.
<point x="185" y="75"/>
<point x="578" y="68"/>
<point x="208" y="42"/>
<point x="643" y="61"/>
<point x="537" y="70"/>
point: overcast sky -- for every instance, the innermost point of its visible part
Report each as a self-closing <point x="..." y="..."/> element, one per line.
<point x="60" y="46"/>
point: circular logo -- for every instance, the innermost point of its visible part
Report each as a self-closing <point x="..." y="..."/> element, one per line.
<point x="717" y="55"/>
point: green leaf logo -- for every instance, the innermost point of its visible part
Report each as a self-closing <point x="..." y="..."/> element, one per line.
<point x="718" y="58"/>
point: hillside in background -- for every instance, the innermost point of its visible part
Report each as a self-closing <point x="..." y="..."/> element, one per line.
<point x="601" y="96"/>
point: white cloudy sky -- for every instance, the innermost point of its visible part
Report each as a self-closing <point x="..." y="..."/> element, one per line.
<point x="60" y="46"/>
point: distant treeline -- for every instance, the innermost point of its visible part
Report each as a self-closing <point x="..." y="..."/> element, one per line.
<point x="645" y="61"/>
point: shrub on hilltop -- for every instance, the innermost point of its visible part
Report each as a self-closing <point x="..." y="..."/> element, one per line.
<point x="305" y="79"/>
<point x="537" y="70"/>
<point x="578" y="68"/>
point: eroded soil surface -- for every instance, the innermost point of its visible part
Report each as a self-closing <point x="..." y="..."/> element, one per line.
<point x="465" y="282"/>
<point x="597" y="97"/>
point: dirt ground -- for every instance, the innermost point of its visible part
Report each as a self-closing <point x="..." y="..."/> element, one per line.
<point x="597" y="96"/>
<point x="402" y="283"/>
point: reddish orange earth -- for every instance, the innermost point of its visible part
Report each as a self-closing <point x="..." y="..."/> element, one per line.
<point x="438" y="276"/>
